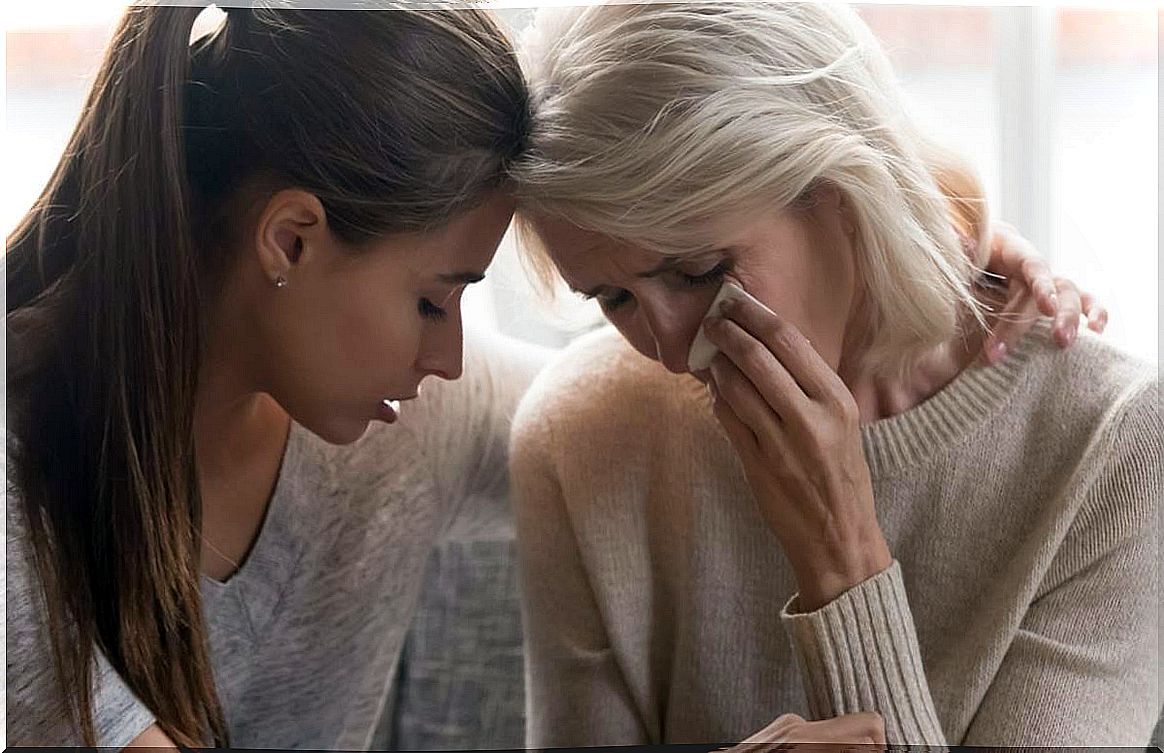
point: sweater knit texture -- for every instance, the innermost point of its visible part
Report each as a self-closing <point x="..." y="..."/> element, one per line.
<point x="1020" y="503"/>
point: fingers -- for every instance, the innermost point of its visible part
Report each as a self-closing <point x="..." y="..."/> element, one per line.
<point x="1095" y="313"/>
<point x="758" y="364"/>
<point x="866" y="728"/>
<point x="789" y="346"/>
<point x="1066" y="325"/>
<point x="1037" y="277"/>
<point x="749" y="419"/>
<point x="779" y="727"/>
<point x="1014" y="257"/>
<point x="791" y="732"/>
<point x="1009" y="325"/>
<point x="769" y="739"/>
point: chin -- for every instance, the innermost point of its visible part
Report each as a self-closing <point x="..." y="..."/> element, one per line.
<point x="340" y="432"/>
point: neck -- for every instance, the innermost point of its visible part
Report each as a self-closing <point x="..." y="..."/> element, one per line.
<point x="880" y="396"/>
<point x="233" y="417"/>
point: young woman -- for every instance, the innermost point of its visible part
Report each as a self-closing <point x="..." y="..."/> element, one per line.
<point x="249" y="246"/>
<point x="967" y="549"/>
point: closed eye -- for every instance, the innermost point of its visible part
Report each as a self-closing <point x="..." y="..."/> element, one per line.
<point x="609" y="301"/>
<point x="713" y="275"/>
<point x="430" y="310"/>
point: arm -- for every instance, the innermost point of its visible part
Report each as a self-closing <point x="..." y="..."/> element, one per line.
<point x="859" y="653"/>
<point x="575" y="691"/>
<point x="794" y="425"/>
<point x="36" y="713"/>
<point x="1084" y="667"/>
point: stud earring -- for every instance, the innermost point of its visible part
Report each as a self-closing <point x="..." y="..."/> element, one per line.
<point x="280" y="281"/>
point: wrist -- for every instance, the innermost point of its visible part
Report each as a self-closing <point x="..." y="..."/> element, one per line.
<point x="823" y="579"/>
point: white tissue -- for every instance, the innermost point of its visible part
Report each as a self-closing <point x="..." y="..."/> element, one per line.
<point x="702" y="350"/>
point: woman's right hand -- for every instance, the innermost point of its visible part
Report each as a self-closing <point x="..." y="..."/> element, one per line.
<point x="789" y="730"/>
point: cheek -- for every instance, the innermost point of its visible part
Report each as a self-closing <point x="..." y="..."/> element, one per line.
<point x="638" y="336"/>
<point x="816" y="304"/>
<point x="664" y="320"/>
<point x="361" y="336"/>
<point x="379" y="333"/>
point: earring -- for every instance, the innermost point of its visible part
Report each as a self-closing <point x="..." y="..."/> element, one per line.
<point x="280" y="281"/>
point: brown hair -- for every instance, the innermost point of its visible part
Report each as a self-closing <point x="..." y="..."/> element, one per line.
<point x="395" y="120"/>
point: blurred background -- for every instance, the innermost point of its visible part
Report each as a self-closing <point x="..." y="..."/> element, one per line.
<point x="1055" y="105"/>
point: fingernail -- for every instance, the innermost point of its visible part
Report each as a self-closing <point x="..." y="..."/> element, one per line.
<point x="997" y="351"/>
<point x="712" y="390"/>
<point x="1054" y="299"/>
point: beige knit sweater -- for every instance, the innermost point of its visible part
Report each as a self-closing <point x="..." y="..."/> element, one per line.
<point x="1020" y="504"/>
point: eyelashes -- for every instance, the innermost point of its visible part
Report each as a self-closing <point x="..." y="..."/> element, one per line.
<point x="609" y="303"/>
<point x="713" y="276"/>
<point x="430" y="310"/>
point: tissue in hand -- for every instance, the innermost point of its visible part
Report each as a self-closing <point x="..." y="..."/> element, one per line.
<point x="702" y="351"/>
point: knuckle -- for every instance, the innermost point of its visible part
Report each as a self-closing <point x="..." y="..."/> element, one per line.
<point x="842" y="404"/>
<point x="752" y="349"/>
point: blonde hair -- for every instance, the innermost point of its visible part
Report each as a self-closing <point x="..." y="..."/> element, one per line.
<point x="650" y="121"/>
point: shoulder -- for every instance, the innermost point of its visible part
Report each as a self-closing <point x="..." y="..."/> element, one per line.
<point x="1091" y="392"/>
<point x="1097" y="409"/>
<point x="599" y="389"/>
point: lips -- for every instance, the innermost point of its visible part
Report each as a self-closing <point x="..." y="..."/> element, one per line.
<point x="389" y="408"/>
<point x="388" y="411"/>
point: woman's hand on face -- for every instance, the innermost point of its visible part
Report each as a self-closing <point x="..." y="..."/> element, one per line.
<point x="789" y="730"/>
<point x="1031" y="289"/>
<point x="795" y="427"/>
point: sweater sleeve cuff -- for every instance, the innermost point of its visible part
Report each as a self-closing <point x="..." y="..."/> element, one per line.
<point x="859" y="652"/>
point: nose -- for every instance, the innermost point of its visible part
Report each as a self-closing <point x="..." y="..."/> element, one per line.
<point x="442" y="350"/>
<point x="671" y="333"/>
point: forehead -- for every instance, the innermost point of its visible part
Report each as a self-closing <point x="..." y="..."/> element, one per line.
<point x="467" y="241"/>
<point x="577" y="251"/>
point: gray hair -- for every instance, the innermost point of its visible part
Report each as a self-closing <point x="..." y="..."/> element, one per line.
<point x="651" y="121"/>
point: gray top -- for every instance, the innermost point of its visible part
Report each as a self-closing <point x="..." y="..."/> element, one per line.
<point x="306" y="635"/>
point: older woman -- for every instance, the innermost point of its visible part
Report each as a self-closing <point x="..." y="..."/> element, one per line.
<point x="857" y="513"/>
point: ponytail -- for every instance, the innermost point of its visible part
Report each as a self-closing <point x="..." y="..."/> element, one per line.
<point x="105" y="469"/>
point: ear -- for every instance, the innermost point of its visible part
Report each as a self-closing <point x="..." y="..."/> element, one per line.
<point x="830" y="201"/>
<point x="291" y="228"/>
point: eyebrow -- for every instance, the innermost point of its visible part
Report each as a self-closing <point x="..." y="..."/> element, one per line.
<point x="462" y="278"/>
<point x="593" y="292"/>
<point x="669" y="263"/>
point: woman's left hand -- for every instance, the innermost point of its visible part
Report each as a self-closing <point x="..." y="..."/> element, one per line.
<point x="1029" y="290"/>
<point x="794" y="424"/>
<point x="862" y="732"/>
